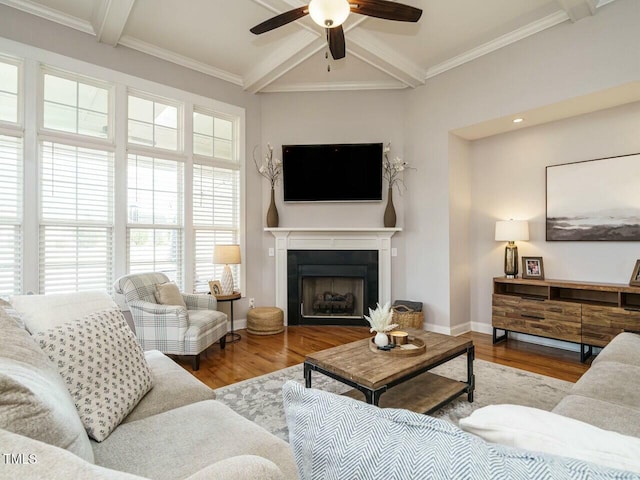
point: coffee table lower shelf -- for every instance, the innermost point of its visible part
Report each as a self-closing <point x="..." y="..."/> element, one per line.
<point x="425" y="393"/>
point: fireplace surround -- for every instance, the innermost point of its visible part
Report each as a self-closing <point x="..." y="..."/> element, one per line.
<point x="323" y="239"/>
<point x="331" y="287"/>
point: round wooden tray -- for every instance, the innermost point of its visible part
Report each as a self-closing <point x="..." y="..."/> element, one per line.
<point x="400" y="352"/>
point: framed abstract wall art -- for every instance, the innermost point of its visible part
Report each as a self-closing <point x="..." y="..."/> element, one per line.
<point x="594" y="200"/>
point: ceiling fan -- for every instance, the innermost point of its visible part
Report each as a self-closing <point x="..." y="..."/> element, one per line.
<point x="331" y="14"/>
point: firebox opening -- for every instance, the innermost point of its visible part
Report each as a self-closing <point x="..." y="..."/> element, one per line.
<point x="341" y="297"/>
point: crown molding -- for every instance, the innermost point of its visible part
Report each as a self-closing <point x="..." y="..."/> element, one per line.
<point x="178" y="59"/>
<point x="503" y="41"/>
<point x="333" y="86"/>
<point x="51" y="14"/>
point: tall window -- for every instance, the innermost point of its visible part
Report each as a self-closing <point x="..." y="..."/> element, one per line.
<point x="153" y="123"/>
<point x="10" y="215"/>
<point x="8" y="92"/>
<point x="216" y="194"/>
<point x="94" y="164"/>
<point x="76" y="212"/>
<point x="155" y="215"/>
<point x="75" y="107"/>
<point x="76" y="178"/>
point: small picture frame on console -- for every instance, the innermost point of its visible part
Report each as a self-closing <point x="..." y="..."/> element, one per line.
<point x="215" y="287"/>
<point x="532" y="268"/>
<point x="635" y="276"/>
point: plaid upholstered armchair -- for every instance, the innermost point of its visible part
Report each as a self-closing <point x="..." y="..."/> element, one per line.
<point x="172" y="329"/>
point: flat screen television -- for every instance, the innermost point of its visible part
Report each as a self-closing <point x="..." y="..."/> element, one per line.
<point x="332" y="173"/>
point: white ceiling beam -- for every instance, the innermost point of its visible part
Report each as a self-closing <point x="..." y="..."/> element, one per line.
<point x="578" y="9"/>
<point x="299" y="46"/>
<point x="368" y="48"/>
<point x="110" y="18"/>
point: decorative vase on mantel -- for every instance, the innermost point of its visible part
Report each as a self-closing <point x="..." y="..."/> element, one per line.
<point x="272" y="214"/>
<point x="390" y="211"/>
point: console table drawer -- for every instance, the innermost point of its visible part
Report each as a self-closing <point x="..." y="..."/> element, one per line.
<point x="601" y="324"/>
<point x="546" y="318"/>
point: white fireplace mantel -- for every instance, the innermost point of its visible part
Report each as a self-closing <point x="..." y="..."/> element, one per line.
<point x="340" y="238"/>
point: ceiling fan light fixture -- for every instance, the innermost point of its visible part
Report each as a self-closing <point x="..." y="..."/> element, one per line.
<point x="329" y="13"/>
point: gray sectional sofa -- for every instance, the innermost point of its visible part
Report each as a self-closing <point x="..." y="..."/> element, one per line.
<point x="177" y="430"/>
<point x="608" y="394"/>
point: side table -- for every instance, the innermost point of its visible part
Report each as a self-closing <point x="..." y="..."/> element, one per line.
<point x="235" y="337"/>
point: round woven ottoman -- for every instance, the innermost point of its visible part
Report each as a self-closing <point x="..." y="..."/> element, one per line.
<point x="265" y="321"/>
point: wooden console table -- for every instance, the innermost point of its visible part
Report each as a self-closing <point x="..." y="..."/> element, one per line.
<point x="590" y="314"/>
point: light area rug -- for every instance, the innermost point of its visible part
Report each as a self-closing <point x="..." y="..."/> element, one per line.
<point x="260" y="399"/>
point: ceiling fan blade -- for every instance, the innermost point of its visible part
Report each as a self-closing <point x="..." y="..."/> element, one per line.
<point x="280" y="20"/>
<point x="336" y="42"/>
<point x="387" y="10"/>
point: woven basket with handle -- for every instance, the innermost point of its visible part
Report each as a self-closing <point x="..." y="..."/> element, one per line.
<point x="407" y="318"/>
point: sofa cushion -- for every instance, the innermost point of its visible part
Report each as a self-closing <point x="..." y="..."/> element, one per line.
<point x="33" y="399"/>
<point x="38" y="460"/>
<point x="612" y="382"/>
<point x="338" y="437"/>
<point x="102" y="365"/>
<point x="173" y="387"/>
<point x="41" y="312"/>
<point x="603" y="414"/>
<point x="197" y="435"/>
<point x="624" y="348"/>
<point x="169" y="294"/>
<point x="547" y="432"/>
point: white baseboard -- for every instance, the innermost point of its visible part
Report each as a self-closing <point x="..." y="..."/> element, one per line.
<point x="481" y="328"/>
<point x="238" y="324"/>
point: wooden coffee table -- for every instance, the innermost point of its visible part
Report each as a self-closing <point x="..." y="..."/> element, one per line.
<point x="407" y="379"/>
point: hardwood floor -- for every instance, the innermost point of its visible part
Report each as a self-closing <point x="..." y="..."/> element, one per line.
<point x="257" y="355"/>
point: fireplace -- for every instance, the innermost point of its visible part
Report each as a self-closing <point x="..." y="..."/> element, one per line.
<point x="331" y="287"/>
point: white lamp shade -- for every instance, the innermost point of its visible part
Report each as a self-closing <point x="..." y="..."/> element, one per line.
<point x="226" y="254"/>
<point x="512" y="230"/>
<point x="329" y="13"/>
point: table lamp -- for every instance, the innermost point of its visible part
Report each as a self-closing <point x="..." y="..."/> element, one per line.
<point x="510" y="231"/>
<point x="226" y="255"/>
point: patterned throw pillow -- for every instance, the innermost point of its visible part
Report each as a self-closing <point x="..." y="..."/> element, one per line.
<point x="103" y="368"/>
<point x="338" y="437"/>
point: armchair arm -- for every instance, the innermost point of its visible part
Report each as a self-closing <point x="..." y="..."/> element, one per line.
<point x="200" y="301"/>
<point x="174" y="316"/>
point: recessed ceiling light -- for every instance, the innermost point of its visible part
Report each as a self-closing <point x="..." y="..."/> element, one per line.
<point x="518" y="120"/>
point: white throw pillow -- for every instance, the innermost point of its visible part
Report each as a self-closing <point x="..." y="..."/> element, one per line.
<point x="102" y="366"/>
<point x="169" y="294"/>
<point x="41" y="312"/>
<point x="547" y="432"/>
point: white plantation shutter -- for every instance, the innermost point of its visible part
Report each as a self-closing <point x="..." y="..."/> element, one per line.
<point x="10" y="215"/>
<point x="155" y="196"/>
<point x="76" y="212"/>
<point x="216" y="220"/>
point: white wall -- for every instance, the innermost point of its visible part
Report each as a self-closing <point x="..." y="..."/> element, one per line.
<point x="333" y="117"/>
<point x="508" y="178"/>
<point x="567" y="61"/>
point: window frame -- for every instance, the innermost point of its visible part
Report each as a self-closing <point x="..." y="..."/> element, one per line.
<point x="32" y="61"/>
<point x="46" y="69"/>
<point x="17" y="62"/>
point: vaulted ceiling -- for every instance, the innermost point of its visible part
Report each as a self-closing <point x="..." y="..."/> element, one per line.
<point x="212" y="36"/>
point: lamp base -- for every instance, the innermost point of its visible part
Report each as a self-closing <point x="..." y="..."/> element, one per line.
<point x="227" y="281"/>
<point x="511" y="260"/>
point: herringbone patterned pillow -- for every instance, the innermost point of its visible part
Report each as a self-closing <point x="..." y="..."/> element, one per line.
<point x="339" y="438"/>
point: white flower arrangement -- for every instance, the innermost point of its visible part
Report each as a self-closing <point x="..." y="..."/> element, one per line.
<point x="380" y="319"/>
<point x="270" y="167"/>
<point x="393" y="168"/>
